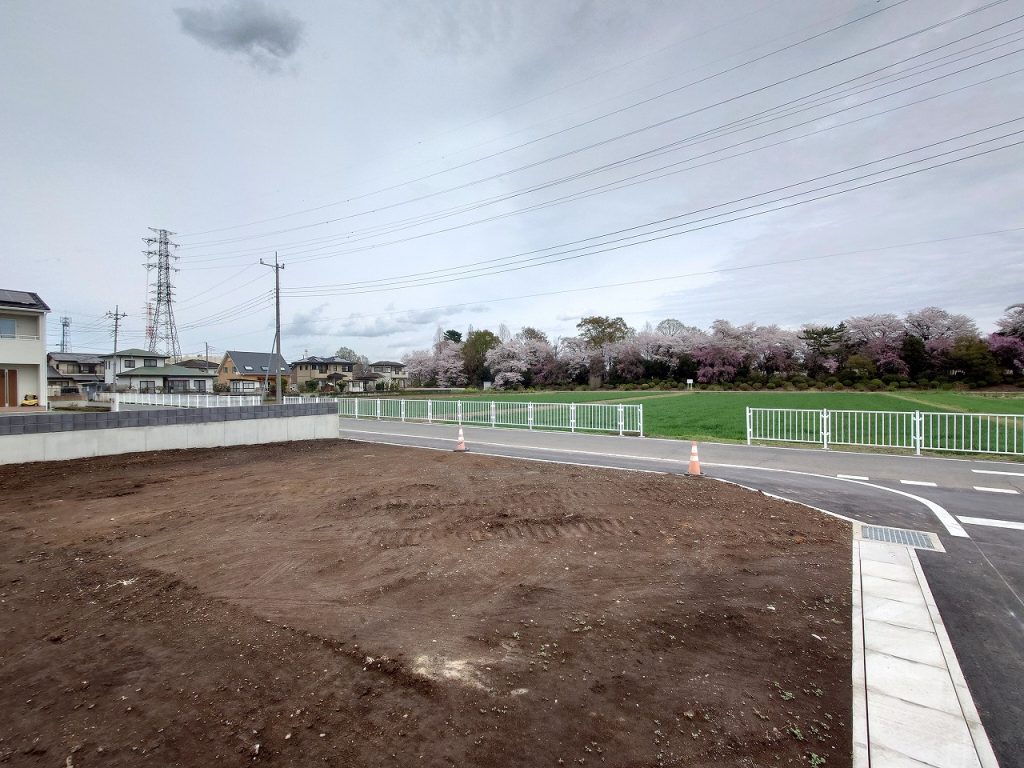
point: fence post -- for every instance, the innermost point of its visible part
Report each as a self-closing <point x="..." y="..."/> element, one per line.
<point x="494" y="415"/>
<point x="458" y="410"/>
<point x="378" y="409"/>
<point x="622" y="418"/>
<point x="750" y="425"/>
<point x="401" y="407"/>
<point x="529" y="414"/>
<point x="115" y="404"/>
<point x="918" y="432"/>
<point x="430" y="411"/>
<point x="824" y="428"/>
<point x="640" y="419"/>
<point x="572" y="417"/>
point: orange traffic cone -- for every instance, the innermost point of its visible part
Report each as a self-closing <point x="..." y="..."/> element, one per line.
<point x="461" y="447"/>
<point x="694" y="460"/>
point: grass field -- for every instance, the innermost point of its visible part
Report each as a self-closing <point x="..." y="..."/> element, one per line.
<point x="721" y="415"/>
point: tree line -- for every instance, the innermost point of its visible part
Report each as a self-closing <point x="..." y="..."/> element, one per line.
<point x="927" y="347"/>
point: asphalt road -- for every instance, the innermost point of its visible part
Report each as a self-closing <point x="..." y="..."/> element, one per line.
<point x="975" y="507"/>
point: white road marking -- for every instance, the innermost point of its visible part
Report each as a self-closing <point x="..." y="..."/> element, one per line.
<point x="997" y="472"/>
<point x="992" y="523"/>
<point x="994" y="490"/>
<point x="852" y="477"/>
<point x="925" y="483"/>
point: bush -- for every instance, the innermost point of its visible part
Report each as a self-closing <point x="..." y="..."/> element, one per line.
<point x="744" y="387"/>
<point x="839" y="386"/>
<point x="875" y="384"/>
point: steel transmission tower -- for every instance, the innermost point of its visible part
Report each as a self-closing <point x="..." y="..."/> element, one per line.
<point x="161" y="332"/>
<point x="65" y="323"/>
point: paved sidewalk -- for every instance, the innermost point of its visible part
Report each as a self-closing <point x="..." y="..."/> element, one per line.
<point x="911" y="705"/>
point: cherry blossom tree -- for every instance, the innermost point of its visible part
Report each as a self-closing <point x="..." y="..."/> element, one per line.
<point x="935" y="323"/>
<point x="1012" y="323"/>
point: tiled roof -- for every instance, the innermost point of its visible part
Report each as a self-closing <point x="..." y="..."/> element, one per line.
<point x="389" y="362"/>
<point x="166" y="370"/>
<point x="22" y="300"/>
<point x="257" y="363"/>
<point x="136" y="353"/>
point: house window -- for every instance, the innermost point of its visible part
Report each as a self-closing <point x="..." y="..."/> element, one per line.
<point x="128" y="362"/>
<point x="147" y="385"/>
<point x="248" y="385"/>
<point x="8" y="327"/>
<point x="149" y="362"/>
<point x="199" y="385"/>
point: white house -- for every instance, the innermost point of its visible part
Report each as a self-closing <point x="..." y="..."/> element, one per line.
<point x="137" y="369"/>
<point x="22" y="347"/>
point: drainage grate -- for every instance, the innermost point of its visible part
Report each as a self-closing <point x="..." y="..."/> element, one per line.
<point x="919" y="539"/>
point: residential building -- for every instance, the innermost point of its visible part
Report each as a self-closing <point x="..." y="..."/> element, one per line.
<point x="22" y="347"/>
<point x="368" y="381"/>
<point x="74" y="373"/>
<point x="249" y="373"/>
<point x="327" y="372"/>
<point x="142" y="371"/>
<point x="199" y="364"/>
<point x="393" y="372"/>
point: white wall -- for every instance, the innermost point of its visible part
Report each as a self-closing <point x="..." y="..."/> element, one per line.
<point x="58" y="446"/>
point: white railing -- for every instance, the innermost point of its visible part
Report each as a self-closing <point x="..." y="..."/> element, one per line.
<point x="570" y="417"/>
<point x="183" y="400"/>
<point x="910" y="430"/>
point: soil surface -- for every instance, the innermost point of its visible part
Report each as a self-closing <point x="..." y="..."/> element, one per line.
<point x="346" y="604"/>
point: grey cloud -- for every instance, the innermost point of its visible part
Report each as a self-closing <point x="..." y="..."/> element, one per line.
<point x="310" y="323"/>
<point x="422" y="321"/>
<point x="266" y="36"/>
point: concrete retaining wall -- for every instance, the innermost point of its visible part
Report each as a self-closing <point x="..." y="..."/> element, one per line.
<point x="55" y="437"/>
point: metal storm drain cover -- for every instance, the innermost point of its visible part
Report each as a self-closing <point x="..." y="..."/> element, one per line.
<point x="919" y="539"/>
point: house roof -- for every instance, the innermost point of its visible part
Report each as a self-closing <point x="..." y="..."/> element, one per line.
<point x="161" y="371"/>
<point x="256" y="363"/>
<point x="53" y="373"/>
<point x="75" y="357"/>
<point x="135" y="353"/>
<point x="334" y="359"/>
<point x="389" y="362"/>
<point x="203" y="365"/>
<point x="22" y="300"/>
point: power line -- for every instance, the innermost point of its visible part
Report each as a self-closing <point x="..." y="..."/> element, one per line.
<point x="685" y="275"/>
<point x="722" y="130"/>
<point x="629" y="107"/>
<point x="351" y="288"/>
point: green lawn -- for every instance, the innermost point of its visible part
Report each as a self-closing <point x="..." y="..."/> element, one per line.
<point x="722" y="415"/>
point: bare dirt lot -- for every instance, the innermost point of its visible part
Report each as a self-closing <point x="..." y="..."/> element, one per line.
<point x="357" y="605"/>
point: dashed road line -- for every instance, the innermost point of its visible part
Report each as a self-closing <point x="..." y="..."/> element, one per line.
<point x="995" y="490"/>
<point x="924" y="483"/>
<point x="991" y="523"/>
<point x="852" y="477"/>
<point x="997" y="472"/>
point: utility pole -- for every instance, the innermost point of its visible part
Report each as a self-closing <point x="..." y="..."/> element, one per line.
<point x="277" y="321"/>
<point x="65" y="323"/>
<point x="117" y="316"/>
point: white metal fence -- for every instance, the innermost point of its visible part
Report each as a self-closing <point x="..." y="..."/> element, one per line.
<point x="570" y="417"/>
<point x="910" y="430"/>
<point x="184" y="401"/>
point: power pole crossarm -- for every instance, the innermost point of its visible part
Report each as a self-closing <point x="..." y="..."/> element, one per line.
<point x="277" y="321"/>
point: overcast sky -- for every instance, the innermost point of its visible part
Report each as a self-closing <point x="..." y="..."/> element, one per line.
<point x="463" y="163"/>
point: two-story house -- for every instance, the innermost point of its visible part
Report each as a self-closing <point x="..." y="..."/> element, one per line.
<point x="22" y="347"/>
<point x="327" y="372"/>
<point x="249" y="373"/>
<point x="393" y="373"/>
<point x="74" y="372"/>
<point x="142" y="371"/>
